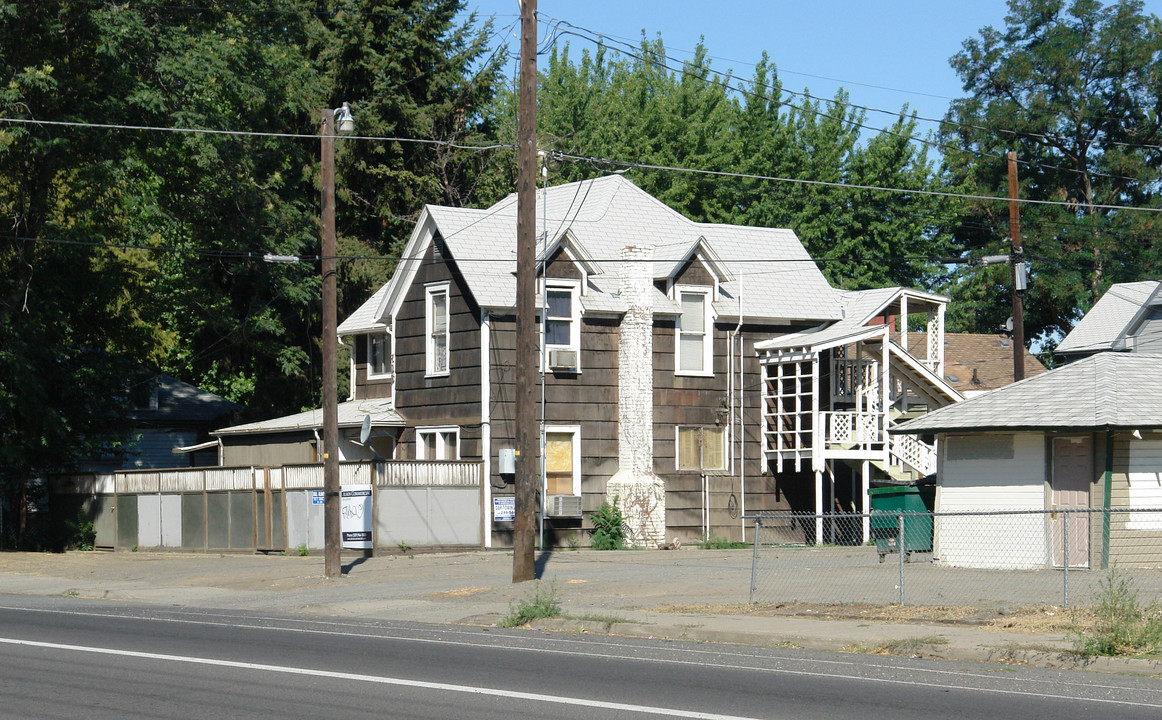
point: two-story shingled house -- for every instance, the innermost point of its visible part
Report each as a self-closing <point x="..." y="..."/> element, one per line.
<point x="693" y="372"/>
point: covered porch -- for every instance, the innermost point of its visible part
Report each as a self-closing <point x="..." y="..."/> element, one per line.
<point x="830" y="396"/>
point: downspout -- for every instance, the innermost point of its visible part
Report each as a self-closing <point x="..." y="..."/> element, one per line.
<point x="544" y="160"/>
<point x="1105" y="520"/>
<point x="741" y="416"/>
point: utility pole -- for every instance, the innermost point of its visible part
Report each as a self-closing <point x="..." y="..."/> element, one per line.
<point x="1017" y="268"/>
<point x="523" y="560"/>
<point x="332" y="563"/>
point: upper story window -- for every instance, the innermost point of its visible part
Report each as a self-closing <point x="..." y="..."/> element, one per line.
<point x="695" y="333"/>
<point x="378" y="355"/>
<point x="562" y="327"/>
<point x="436" y="319"/>
<point x="701" y="448"/>
<point x="438" y="443"/>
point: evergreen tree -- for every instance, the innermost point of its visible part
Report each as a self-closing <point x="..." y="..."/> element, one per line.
<point x="1074" y="88"/>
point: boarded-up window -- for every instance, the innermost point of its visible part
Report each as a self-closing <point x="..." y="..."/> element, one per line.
<point x="979" y="447"/>
<point x="559" y="463"/>
<point x="701" y="448"/>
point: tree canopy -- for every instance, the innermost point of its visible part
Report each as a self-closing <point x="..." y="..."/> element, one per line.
<point x="123" y="245"/>
<point x="144" y="245"/>
<point x="641" y="107"/>
<point x="1075" y="89"/>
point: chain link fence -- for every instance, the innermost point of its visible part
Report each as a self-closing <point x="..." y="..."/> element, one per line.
<point x="987" y="559"/>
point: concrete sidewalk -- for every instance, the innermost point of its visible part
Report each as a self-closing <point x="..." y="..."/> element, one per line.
<point x="604" y="592"/>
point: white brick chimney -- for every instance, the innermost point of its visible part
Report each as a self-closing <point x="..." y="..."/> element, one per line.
<point x="634" y="488"/>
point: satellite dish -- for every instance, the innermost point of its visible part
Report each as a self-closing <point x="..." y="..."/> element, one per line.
<point x="365" y="431"/>
<point x="1008" y="328"/>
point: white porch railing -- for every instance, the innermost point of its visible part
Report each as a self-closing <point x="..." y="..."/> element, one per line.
<point x="853" y="428"/>
<point x="913" y="452"/>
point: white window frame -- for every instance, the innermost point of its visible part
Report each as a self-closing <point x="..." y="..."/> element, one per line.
<point x="701" y="447"/>
<point x="574" y="289"/>
<point x="430" y="291"/>
<point x="707" y="331"/>
<point x="575" y="431"/>
<point x="440" y="431"/>
<point x="387" y="354"/>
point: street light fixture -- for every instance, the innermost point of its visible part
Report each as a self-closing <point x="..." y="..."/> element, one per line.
<point x="346" y="124"/>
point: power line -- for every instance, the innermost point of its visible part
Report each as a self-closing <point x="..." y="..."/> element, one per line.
<point x="728" y="77"/>
<point x="570" y="156"/>
<point x="825" y="183"/>
<point x="253" y="133"/>
<point x="257" y="255"/>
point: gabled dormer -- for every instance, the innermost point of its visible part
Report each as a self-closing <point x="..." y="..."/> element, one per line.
<point x="694" y="282"/>
<point x="564" y="268"/>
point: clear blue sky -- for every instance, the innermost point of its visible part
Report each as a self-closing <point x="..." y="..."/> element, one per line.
<point x="903" y="45"/>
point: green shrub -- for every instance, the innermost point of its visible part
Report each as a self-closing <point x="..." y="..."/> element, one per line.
<point x="302" y="550"/>
<point x="1122" y="627"/>
<point x="80" y="534"/>
<point x="608" y="531"/>
<point x="713" y="542"/>
<point x="543" y="604"/>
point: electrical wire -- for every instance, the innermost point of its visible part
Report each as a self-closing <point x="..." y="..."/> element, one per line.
<point x="728" y="77"/>
<point x="253" y="133"/>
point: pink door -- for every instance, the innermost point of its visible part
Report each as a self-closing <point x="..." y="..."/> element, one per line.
<point x="1072" y="475"/>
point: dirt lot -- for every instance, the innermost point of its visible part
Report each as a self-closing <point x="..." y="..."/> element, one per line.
<point x="1018" y="619"/>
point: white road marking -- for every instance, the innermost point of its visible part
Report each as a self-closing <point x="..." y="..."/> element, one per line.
<point x="717" y="664"/>
<point x="380" y="680"/>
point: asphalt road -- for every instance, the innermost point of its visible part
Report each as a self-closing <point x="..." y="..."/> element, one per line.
<point x="65" y="657"/>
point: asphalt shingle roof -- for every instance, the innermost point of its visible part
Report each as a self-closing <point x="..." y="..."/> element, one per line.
<point x="1108" y="318"/>
<point x="1106" y="390"/>
<point x="770" y="268"/>
<point x="990" y="356"/>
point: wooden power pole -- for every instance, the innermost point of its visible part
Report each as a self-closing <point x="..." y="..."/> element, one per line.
<point x="1017" y="267"/>
<point x="527" y="442"/>
<point x="331" y="553"/>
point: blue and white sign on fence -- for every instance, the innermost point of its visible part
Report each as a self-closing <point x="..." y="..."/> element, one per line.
<point x="355" y="514"/>
<point x="504" y="509"/>
<point x="317" y="497"/>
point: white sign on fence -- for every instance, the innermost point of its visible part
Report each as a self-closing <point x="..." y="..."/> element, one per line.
<point x="504" y="509"/>
<point x="355" y="511"/>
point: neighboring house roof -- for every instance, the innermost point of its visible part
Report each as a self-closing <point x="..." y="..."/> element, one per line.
<point x="766" y="273"/>
<point x="1104" y="391"/>
<point x="181" y="402"/>
<point x="976" y="362"/>
<point x="1110" y="318"/>
<point x="351" y="414"/>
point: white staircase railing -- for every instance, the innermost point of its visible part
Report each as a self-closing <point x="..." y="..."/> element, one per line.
<point x="910" y="451"/>
<point x="854" y="428"/>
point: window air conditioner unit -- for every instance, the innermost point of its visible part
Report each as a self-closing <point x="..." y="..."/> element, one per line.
<point x="564" y="506"/>
<point x="562" y="359"/>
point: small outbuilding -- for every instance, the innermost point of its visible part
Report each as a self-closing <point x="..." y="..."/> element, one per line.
<point x="1086" y="438"/>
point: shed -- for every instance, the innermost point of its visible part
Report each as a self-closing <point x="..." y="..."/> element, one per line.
<point x="1084" y="436"/>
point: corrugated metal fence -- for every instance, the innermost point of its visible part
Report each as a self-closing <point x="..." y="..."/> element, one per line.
<point x="420" y="503"/>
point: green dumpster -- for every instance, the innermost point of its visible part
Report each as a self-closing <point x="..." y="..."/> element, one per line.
<point x="886" y="502"/>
